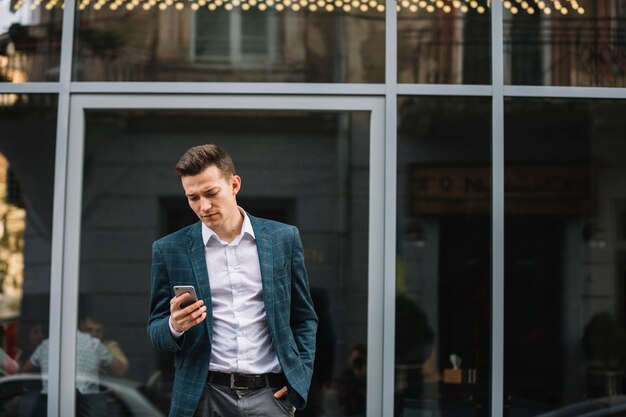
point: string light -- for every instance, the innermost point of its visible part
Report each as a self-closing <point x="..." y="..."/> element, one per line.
<point x="454" y="7"/>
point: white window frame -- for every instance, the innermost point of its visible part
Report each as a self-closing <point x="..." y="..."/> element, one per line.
<point x="73" y="210"/>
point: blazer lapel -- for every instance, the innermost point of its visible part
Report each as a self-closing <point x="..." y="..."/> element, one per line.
<point x="266" y="262"/>
<point x="195" y="246"/>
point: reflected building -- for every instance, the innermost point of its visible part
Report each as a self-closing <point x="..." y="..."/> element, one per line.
<point x="297" y="42"/>
<point x="580" y="45"/>
<point x="318" y="41"/>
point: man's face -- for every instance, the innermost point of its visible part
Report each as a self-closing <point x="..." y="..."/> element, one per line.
<point x="92" y="327"/>
<point x="213" y="197"/>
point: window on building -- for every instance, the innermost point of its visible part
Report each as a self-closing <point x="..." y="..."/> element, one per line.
<point x="26" y="201"/>
<point x="526" y="45"/>
<point x="234" y="37"/>
<point x="620" y="21"/>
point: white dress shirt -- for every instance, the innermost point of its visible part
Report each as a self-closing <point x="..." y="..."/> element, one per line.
<point x="241" y="340"/>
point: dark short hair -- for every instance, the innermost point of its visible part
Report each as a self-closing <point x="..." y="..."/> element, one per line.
<point x="198" y="158"/>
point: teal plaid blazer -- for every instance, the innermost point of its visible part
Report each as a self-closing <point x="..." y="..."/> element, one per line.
<point x="178" y="259"/>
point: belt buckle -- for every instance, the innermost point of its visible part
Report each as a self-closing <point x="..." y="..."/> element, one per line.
<point x="233" y="382"/>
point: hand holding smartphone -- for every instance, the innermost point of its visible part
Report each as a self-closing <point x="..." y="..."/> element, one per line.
<point x="181" y="289"/>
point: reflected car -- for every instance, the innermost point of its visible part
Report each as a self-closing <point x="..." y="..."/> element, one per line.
<point x="20" y="395"/>
<point x="594" y="407"/>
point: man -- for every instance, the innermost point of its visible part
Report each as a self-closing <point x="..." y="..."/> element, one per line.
<point x="92" y="325"/>
<point x="92" y="357"/>
<point x="246" y="347"/>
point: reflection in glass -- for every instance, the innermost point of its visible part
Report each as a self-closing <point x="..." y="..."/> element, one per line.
<point x="444" y="42"/>
<point x="565" y="298"/>
<point x="26" y="190"/>
<point x="565" y="43"/>
<point x="327" y="41"/>
<point x="132" y="196"/>
<point x="443" y="256"/>
<point x="30" y="40"/>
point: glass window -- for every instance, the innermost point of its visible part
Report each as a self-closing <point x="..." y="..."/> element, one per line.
<point x="443" y="318"/>
<point x="26" y="194"/>
<point x="213" y="35"/>
<point x="30" y="40"/>
<point x="132" y="197"/>
<point x="444" y="42"/>
<point x="565" y="282"/>
<point x="565" y="43"/>
<point x="327" y="41"/>
<point x="234" y="36"/>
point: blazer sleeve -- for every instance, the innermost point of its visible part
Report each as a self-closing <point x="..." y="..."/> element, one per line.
<point x="158" y="323"/>
<point x="303" y="317"/>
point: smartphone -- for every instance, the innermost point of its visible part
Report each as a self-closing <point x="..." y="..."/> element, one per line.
<point x="181" y="289"/>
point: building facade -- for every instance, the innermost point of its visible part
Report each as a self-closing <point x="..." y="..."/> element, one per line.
<point x="457" y="170"/>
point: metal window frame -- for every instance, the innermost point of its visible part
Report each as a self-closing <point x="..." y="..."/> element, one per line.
<point x="496" y="402"/>
<point x="78" y="95"/>
<point x="73" y="206"/>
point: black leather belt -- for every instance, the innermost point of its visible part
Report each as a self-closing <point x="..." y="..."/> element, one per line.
<point x="246" y="381"/>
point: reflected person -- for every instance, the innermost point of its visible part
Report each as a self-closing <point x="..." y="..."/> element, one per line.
<point x="91" y="325"/>
<point x="8" y="365"/>
<point x="246" y="347"/>
<point x="353" y="382"/>
<point x="31" y="334"/>
<point x="91" y="357"/>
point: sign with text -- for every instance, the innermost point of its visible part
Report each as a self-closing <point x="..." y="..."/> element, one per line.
<point x="529" y="189"/>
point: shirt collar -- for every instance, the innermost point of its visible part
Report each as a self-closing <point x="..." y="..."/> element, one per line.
<point x="246" y="228"/>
